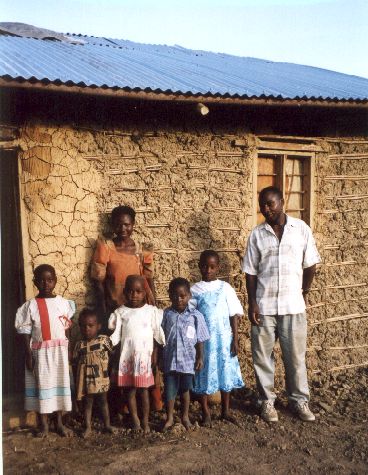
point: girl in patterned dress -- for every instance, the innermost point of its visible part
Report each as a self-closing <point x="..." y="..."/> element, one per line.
<point x="44" y="321"/>
<point x="91" y="359"/>
<point x="221" y="308"/>
<point x="136" y="326"/>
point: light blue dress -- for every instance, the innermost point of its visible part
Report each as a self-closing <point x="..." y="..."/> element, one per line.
<point x="221" y="371"/>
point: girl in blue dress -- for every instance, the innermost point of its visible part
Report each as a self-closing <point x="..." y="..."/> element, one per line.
<point x="219" y="304"/>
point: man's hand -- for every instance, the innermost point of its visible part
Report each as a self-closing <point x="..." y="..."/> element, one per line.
<point x="30" y="362"/>
<point x="198" y="364"/>
<point x="234" y="348"/>
<point x="253" y="314"/>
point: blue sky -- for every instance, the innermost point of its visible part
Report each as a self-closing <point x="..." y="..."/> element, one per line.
<point x="331" y="34"/>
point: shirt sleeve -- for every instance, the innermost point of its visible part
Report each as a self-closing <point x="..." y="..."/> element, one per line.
<point x="23" y="321"/>
<point x="108" y="344"/>
<point x="252" y="256"/>
<point x="100" y="259"/>
<point x="116" y="336"/>
<point x="311" y="255"/>
<point x="71" y="309"/>
<point x="233" y="302"/>
<point x="158" y="332"/>
<point x="111" y="325"/>
<point x="201" y="326"/>
<point x="164" y="319"/>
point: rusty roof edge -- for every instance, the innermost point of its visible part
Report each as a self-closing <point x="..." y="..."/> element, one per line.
<point x="158" y="95"/>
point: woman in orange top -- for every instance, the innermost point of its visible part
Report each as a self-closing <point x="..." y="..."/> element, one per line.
<point x="115" y="259"/>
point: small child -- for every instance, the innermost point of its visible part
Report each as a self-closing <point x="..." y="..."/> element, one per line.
<point x="43" y="321"/>
<point x="91" y="356"/>
<point x="185" y="331"/>
<point x="137" y="325"/>
<point x="219" y="304"/>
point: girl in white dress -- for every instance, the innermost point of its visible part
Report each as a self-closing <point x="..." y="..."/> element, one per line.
<point x="137" y="326"/>
<point x="43" y="321"/>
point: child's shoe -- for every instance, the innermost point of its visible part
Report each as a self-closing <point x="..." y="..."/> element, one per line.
<point x="302" y="410"/>
<point x="268" y="412"/>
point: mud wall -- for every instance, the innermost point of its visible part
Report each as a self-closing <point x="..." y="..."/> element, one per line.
<point x="339" y="301"/>
<point x="193" y="190"/>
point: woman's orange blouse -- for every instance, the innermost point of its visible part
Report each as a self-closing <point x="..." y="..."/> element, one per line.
<point x="113" y="267"/>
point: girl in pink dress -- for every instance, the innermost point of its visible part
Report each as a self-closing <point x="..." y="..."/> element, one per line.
<point x="137" y="326"/>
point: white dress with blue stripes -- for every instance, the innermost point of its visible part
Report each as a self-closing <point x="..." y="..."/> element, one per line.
<point x="47" y="387"/>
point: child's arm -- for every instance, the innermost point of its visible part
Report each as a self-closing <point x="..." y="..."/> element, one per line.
<point x="116" y="336"/>
<point x="199" y="356"/>
<point x="234" y="327"/>
<point x="30" y="362"/>
<point x="202" y="336"/>
<point x="154" y="358"/>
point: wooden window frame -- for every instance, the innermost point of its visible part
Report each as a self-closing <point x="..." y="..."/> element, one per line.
<point x="283" y="154"/>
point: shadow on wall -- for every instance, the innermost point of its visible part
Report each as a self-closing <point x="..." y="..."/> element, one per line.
<point x="197" y="235"/>
<point x="104" y="230"/>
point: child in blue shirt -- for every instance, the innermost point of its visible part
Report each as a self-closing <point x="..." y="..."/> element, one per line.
<point x="185" y="331"/>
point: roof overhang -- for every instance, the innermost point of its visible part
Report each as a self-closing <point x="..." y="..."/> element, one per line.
<point x="158" y="95"/>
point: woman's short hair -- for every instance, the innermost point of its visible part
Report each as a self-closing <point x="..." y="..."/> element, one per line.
<point x="121" y="210"/>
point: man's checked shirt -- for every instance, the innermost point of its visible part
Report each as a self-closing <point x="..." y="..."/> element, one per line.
<point x="279" y="265"/>
<point x="182" y="332"/>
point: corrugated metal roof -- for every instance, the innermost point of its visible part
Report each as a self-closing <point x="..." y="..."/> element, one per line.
<point x="105" y="62"/>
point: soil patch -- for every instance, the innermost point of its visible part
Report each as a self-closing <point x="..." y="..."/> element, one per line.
<point x="335" y="444"/>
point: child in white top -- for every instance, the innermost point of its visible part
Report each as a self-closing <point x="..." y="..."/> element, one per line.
<point x="43" y="321"/>
<point x="137" y="326"/>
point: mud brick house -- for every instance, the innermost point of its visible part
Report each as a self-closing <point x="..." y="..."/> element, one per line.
<point x="187" y="138"/>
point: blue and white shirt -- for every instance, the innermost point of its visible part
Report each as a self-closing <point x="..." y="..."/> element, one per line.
<point x="182" y="332"/>
<point x="279" y="265"/>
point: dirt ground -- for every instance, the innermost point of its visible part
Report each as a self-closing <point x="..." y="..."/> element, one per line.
<point x="335" y="444"/>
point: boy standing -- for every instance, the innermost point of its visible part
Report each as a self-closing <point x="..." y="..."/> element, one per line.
<point x="185" y="331"/>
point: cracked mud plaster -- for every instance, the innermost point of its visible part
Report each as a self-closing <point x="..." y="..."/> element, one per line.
<point x="60" y="191"/>
<point x="191" y="191"/>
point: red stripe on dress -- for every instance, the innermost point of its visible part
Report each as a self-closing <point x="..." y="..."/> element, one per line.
<point x="45" y="321"/>
<point x="129" y="380"/>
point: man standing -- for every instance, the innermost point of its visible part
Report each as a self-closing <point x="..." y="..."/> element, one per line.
<point x="280" y="263"/>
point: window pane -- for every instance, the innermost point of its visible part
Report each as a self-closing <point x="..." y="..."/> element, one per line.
<point x="267" y="176"/>
<point x="294" y="186"/>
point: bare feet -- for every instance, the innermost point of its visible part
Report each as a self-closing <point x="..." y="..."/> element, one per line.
<point x="87" y="433"/>
<point x="64" y="432"/>
<point x="146" y="428"/>
<point x="168" y="424"/>
<point x="136" y="424"/>
<point x="225" y="416"/>
<point x="186" y="423"/>
<point x="206" y="421"/>
<point x="43" y="434"/>
<point x="110" y="430"/>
